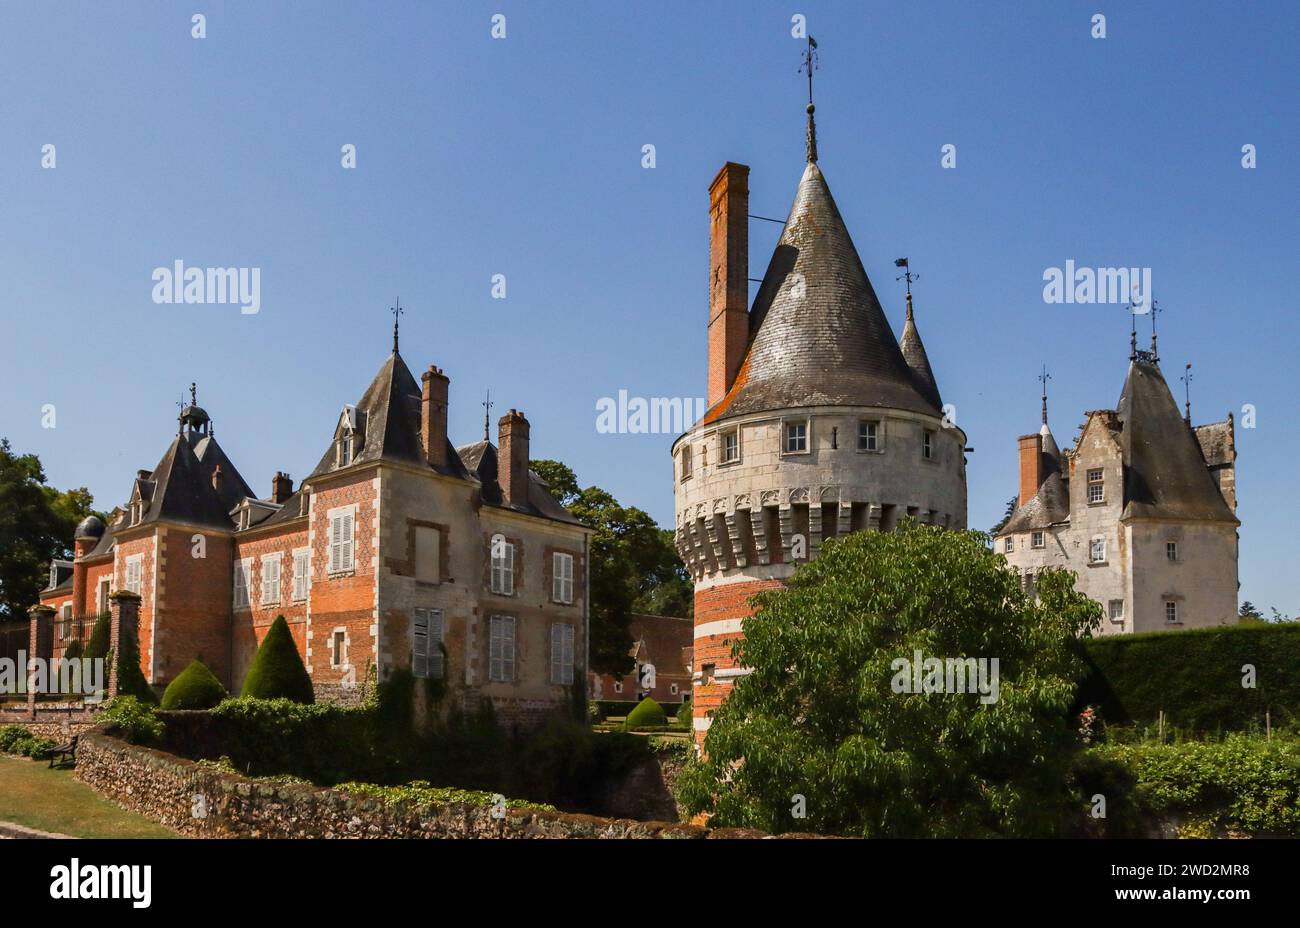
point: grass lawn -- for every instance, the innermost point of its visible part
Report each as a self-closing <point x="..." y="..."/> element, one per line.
<point x="51" y="800"/>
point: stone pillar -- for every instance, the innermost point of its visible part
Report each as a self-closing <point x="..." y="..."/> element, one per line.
<point x="40" y="643"/>
<point x="124" y="606"/>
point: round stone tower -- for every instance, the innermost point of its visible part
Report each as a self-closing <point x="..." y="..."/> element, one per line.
<point x="820" y="422"/>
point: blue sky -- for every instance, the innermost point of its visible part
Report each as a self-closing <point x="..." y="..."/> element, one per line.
<point x="522" y="156"/>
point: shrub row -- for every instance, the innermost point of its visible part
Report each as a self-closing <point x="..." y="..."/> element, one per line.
<point x="16" y="739"/>
<point x="1196" y="677"/>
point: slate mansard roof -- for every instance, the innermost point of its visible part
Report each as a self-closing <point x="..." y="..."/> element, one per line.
<point x="831" y="343"/>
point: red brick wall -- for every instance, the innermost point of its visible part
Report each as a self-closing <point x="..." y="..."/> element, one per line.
<point x="194" y="603"/>
<point x="252" y="623"/>
<point x="346" y="600"/>
<point x="126" y="548"/>
<point x="730" y="601"/>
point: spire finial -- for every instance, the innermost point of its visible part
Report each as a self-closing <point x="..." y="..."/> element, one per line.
<point x="1133" y="331"/>
<point x="487" y="405"/>
<point x="396" y="311"/>
<point x="1043" y="378"/>
<point x="194" y="395"/>
<point x="1187" y="392"/>
<point x="908" y="276"/>
<point x="1155" y="308"/>
<point x="809" y="65"/>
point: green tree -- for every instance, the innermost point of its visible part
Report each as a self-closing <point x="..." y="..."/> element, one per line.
<point x="1249" y="614"/>
<point x="634" y="566"/>
<point x="277" y="671"/>
<point x="819" y="716"/>
<point x="36" y="525"/>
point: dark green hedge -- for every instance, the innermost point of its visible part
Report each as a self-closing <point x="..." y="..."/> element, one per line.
<point x="1196" y="677"/>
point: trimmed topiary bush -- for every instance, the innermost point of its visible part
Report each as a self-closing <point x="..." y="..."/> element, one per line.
<point x="647" y="714"/>
<point x="194" y="688"/>
<point x="278" y="671"/>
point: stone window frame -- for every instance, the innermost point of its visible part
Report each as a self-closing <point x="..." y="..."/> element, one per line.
<point x="1095" y="540"/>
<point x="1171" y="552"/>
<point x="1099" y="484"/>
<point x="793" y="421"/>
<point x="1038" y="539"/>
<point x="407" y="568"/>
<point x="277" y="559"/>
<point x="339" y="661"/>
<point x="1009" y="544"/>
<point x="723" y="459"/>
<point x="516" y="565"/>
<point x="342" y="570"/>
<point x="929" y="445"/>
<point x="685" y="459"/>
<point x="878" y="438"/>
<point x="548" y="574"/>
<point x="1110" y="611"/>
<point x="551" y="575"/>
<point x="493" y="619"/>
<point x="137" y="561"/>
<point x="1175" y="618"/>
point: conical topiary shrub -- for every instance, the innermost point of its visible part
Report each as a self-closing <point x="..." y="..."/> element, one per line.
<point x="647" y="714"/>
<point x="194" y="688"/>
<point x="277" y="671"/>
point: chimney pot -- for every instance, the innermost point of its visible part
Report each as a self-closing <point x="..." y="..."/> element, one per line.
<point x="433" y="416"/>
<point x="281" y="487"/>
<point x="728" y="277"/>
<point x="512" y="458"/>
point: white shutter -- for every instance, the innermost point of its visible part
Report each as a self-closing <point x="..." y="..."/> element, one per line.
<point x="420" y="643"/>
<point x="435" y="644"/>
<point x="348" y="529"/>
<point x="336" y="526"/>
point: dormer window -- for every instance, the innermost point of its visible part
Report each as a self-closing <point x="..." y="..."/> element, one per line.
<point x="345" y="450"/>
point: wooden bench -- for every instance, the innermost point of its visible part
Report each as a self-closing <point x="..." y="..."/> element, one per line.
<point x="68" y="751"/>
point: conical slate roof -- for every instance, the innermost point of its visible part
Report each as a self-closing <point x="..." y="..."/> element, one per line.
<point x="388" y="417"/>
<point x="917" y="360"/>
<point x="1165" y="474"/>
<point x="817" y="333"/>
<point x="181" y="489"/>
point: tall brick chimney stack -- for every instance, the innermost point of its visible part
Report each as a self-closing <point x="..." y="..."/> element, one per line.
<point x="512" y="458"/>
<point x="728" y="277"/>
<point x="433" y="416"/>
<point x="1031" y="466"/>
<point x="281" y="487"/>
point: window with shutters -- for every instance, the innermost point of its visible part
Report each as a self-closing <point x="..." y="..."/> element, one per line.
<point x="342" y="538"/>
<point x="561" y="653"/>
<point x="134" y="571"/>
<point x="426" y="644"/>
<point x="501" y="649"/>
<point x="270" y="579"/>
<point x="562" y="577"/>
<point x="243" y="573"/>
<point x="503" y="566"/>
<point x="300" y="568"/>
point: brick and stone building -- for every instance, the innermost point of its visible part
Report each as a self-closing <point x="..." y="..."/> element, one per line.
<point x="1142" y="509"/>
<point x="663" y="642"/>
<point x="820" y="422"/>
<point x="398" y="550"/>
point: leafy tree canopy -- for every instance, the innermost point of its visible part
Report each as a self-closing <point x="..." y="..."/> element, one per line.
<point x="819" y="716"/>
<point x="36" y="525"/>
<point x="634" y="565"/>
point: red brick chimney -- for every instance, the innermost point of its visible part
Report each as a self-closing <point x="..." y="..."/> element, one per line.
<point x="217" y="478"/>
<point x="512" y="458"/>
<point x="433" y="416"/>
<point x="281" y="487"/>
<point x="728" y="276"/>
<point x="1031" y="466"/>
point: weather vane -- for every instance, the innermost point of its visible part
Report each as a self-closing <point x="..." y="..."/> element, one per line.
<point x="809" y="65"/>
<point x="1043" y="378"/>
<point x="396" y="311"/>
<point x="487" y="405"/>
<point x="1187" y="392"/>
<point x="907" y="274"/>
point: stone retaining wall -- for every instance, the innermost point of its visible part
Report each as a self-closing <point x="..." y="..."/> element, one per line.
<point x="201" y="801"/>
